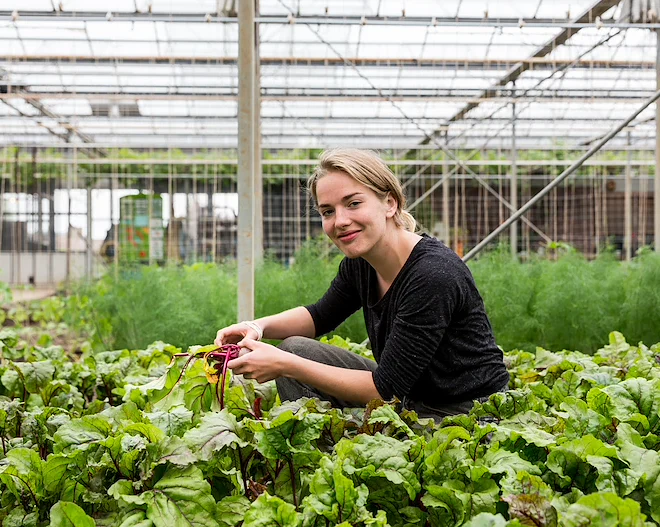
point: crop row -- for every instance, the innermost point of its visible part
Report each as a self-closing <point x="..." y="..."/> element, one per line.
<point x="137" y="438"/>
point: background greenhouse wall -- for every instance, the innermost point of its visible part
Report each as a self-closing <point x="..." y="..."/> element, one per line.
<point x="476" y="106"/>
<point x="587" y="212"/>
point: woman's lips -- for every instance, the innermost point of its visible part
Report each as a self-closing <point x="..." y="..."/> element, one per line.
<point x="349" y="236"/>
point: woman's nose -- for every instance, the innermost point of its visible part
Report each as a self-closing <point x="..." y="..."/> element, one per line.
<point x="341" y="217"/>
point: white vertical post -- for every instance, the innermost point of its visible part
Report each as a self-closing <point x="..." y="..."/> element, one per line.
<point x="246" y="157"/>
<point x="445" y="197"/>
<point x="69" y="186"/>
<point x="627" y="204"/>
<point x="656" y="185"/>
<point x="258" y="176"/>
<point x="88" y="259"/>
<point x="513" y="181"/>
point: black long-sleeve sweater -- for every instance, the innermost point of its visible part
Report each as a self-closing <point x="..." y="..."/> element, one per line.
<point x="429" y="333"/>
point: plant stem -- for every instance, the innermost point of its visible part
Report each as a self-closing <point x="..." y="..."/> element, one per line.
<point x="293" y="483"/>
<point x="217" y="394"/>
<point x="114" y="461"/>
<point x="36" y="503"/>
<point x="107" y="391"/>
<point x="242" y="469"/>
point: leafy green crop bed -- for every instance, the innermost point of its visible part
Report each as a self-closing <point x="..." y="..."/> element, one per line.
<point x="131" y="438"/>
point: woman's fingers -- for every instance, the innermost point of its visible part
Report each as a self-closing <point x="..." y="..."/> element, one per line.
<point x="256" y="362"/>
<point x="229" y="335"/>
<point x="252" y="344"/>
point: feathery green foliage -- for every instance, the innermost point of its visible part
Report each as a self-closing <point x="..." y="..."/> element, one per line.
<point x="569" y="303"/>
<point x="187" y="305"/>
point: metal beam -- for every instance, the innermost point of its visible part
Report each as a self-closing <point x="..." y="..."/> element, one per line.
<point x="534" y="63"/>
<point x="208" y="18"/>
<point x="600" y="7"/>
<point x="559" y="179"/>
<point x="214" y="142"/>
<point x="309" y="94"/>
<point x="139" y="122"/>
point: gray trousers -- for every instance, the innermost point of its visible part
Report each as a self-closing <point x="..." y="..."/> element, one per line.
<point x="291" y="389"/>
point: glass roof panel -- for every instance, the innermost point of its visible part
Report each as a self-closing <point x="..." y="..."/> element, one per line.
<point x="387" y="80"/>
<point x="180" y="6"/>
<point x="68" y="106"/>
<point x="126" y="6"/>
<point x="26" y="5"/>
<point x="23" y="107"/>
<point x="7" y="110"/>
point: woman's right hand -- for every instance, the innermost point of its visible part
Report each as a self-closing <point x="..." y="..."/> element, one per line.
<point x="235" y="333"/>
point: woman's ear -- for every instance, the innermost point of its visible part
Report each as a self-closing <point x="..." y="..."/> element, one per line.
<point x="392" y="205"/>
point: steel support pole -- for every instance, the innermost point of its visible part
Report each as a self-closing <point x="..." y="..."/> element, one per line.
<point x="88" y="255"/>
<point x="577" y="164"/>
<point x="34" y="244"/>
<point x="15" y="189"/>
<point x="445" y="197"/>
<point x="4" y="176"/>
<point x="40" y="218"/>
<point x="627" y="205"/>
<point x="52" y="240"/>
<point x="513" y="182"/>
<point x="258" y="175"/>
<point x="69" y="188"/>
<point x="246" y="156"/>
<point x="656" y="186"/>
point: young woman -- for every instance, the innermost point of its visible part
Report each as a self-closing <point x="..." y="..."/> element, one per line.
<point x="428" y="329"/>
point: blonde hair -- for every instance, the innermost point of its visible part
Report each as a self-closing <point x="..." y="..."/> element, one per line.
<point x="367" y="168"/>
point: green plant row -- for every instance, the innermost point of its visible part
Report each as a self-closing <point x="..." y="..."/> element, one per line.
<point x="132" y="439"/>
<point x="187" y="305"/>
<point x="569" y="303"/>
<point x="565" y="304"/>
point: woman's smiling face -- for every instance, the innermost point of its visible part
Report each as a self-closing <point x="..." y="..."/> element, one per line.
<point x="354" y="216"/>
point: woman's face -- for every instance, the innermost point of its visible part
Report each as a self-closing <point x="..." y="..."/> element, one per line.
<point x="354" y="217"/>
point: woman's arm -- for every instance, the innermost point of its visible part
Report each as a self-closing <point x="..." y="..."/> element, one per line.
<point x="293" y="322"/>
<point x="266" y="362"/>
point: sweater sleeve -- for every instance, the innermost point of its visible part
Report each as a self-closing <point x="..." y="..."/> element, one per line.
<point x="340" y="301"/>
<point x="423" y="314"/>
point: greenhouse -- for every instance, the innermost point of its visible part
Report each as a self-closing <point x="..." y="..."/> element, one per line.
<point x="165" y="172"/>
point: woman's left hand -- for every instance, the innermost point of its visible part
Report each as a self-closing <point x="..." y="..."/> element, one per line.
<point x="259" y="361"/>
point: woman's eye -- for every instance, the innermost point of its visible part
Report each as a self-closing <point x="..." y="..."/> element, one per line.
<point x="326" y="213"/>
<point x="353" y="203"/>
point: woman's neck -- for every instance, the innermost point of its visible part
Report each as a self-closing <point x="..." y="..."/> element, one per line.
<point x="390" y="255"/>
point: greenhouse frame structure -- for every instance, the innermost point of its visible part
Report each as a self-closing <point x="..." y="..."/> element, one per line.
<point x="476" y="105"/>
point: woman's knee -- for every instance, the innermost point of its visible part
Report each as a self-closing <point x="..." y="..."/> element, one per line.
<point x="300" y="346"/>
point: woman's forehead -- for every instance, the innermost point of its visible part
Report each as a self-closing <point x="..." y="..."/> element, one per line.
<point x="336" y="186"/>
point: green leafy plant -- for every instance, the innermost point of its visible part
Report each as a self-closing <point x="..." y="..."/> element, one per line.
<point x="152" y="437"/>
